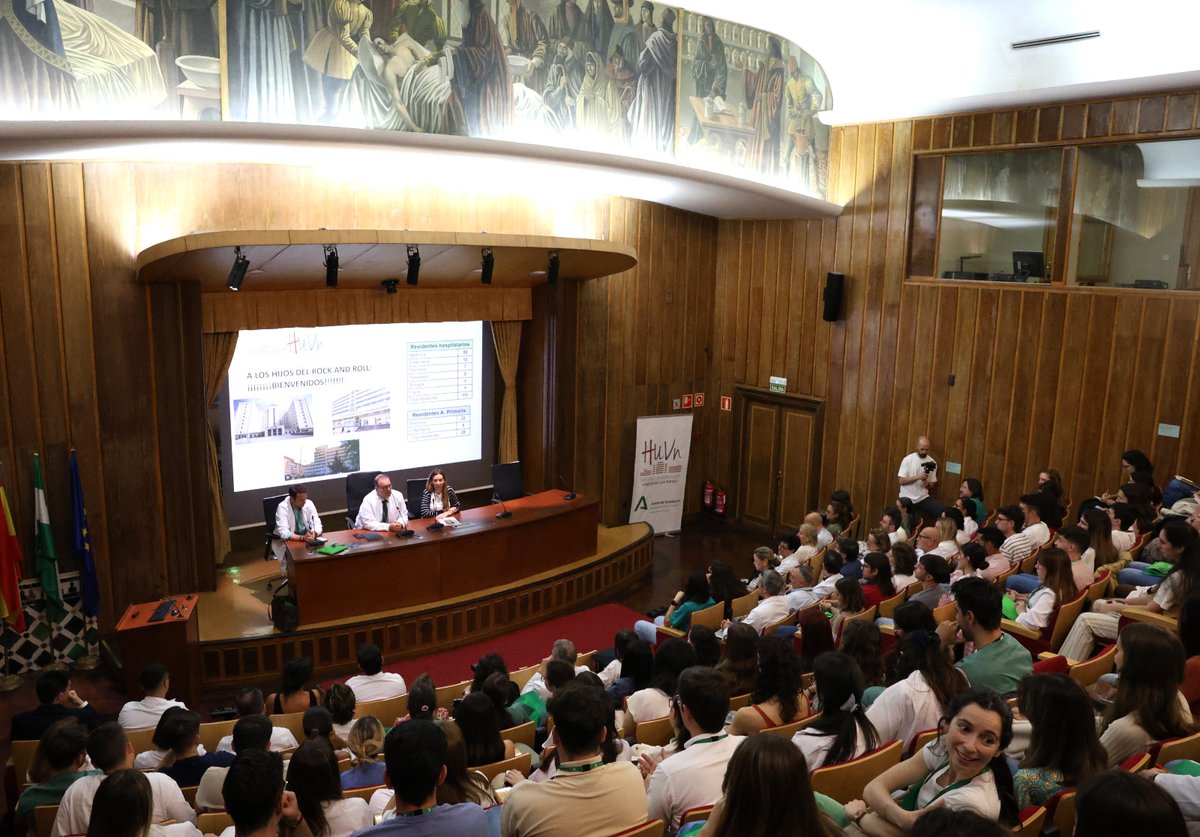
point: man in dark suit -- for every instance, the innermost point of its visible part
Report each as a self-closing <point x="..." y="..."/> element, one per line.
<point x="56" y="700"/>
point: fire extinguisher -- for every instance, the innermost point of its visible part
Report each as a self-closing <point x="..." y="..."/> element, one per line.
<point x="708" y="494"/>
<point x="720" y="502"/>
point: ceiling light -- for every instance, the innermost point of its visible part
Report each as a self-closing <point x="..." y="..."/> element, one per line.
<point x="414" y="264"/>
<point x="331" y="266"/>
<point x="390" y="285"/>
<point x="552" y="268"/>
<point x="487" y="265"/>
<point x="238" y="272"/>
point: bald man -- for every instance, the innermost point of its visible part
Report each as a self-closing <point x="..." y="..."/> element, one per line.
<point x="918" y="472"/>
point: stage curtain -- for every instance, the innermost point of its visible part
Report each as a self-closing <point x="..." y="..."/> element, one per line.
<point x="218" y="352"/>
<point x="507" y="337"/>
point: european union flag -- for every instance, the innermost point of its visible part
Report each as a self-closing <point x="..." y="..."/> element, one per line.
<point x="83" y="545"/>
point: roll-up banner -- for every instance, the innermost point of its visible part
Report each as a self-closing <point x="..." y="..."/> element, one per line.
<point x="660" y="471"/>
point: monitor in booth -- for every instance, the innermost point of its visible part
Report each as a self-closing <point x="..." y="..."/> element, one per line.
<point x="1030" y="263"/>
<point x="506" y="481"/>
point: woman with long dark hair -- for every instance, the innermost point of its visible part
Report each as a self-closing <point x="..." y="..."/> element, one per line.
<point x="1056" y="586"/>
<point x="972" y="491"/>
<point x="922" y="687"/>
<point x="654" y="701"/>
<point x="863" y="643"/>
<point x="438" y="500"/>
<point x="965" y="768"/>
<point x="292" y="695"/>
<point x="724" y="586"/>
<point x="776" y="698"/>
<point x="708" y="648"/>
<point x="1105" y="555"/>
<point x="479" y="723"/>
<point x="838" y="517"/>
<point x="843" y="731"/>
<point x="123" y="807"/>
<point x="637" y="663"/>
<point x="1063" y="747"/>
<point x="694" y="596"/>
<point x="847" y="599"/>
<point x="740" y="663"/>
<point x="904" y="564"/>
<point x="877" y="579"/>
<point x="313" y="776"/>
<point x="814" y="636"/>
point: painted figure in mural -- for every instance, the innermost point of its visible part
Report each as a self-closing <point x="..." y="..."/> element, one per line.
<point x="558" y="100"/>
<point x="421" y="22"/>
<point x="481" y="75"/>
<point x="643" y="29"/>
<point x="623" y="80"/>
<point x="396" y="88"/>
<point x="598" y="106"/>
<point x="652" y="117"/>
<point x="260" y="68"/>
<point x="35" y="75"/>
<point x="567" y="25"/>
<point x="524" y="33"/>
<point x="803" y="102"/>
<point x="333" y="51"/>
<point x="572" y="66"/>
<point x="764" y="97"/>
<point x="597" y="26"/>
<point x="189" y="25"/>
<point x="709" y="68"/>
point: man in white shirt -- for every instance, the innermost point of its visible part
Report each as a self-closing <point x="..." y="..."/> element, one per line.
<point x="824" y="537"/>
<point x="563" y="649"/>
<point x="250" y="702"/>
<point x="256" y="800"/>
<point x="144" y="714"/>
<point x="383" y="510"/>
<point x="251" y="732"/>
<point x="296" y="521"/>
<point x="918" y="471"/>
<point x="110" y="750"/>
<point x="773" y="606"/>
<point x="692" y="777"/>
<point x="1035" y="531"/>
<point x="374" y="683"/>
<point x="890" y="523"/>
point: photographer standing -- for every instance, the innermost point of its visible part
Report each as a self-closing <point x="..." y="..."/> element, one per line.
<point x="918" y="471"/>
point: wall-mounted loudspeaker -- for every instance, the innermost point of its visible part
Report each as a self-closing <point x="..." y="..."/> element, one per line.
<point x="835" y="287"/>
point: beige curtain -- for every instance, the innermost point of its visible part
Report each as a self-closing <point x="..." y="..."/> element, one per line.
<point x="507" y="337"/>
<point x="218" y="352"/>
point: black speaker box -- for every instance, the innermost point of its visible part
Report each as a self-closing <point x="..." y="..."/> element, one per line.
<point x="835" y="287"/>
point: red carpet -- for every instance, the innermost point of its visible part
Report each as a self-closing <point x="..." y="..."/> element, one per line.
<point x="590" y="630"/>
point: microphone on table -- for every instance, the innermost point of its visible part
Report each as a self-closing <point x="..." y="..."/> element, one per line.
<point x="437" y="525"/>
<point x="503" y="512"/>
<point x="405" y="532"/>
<point x="570" y="495"/>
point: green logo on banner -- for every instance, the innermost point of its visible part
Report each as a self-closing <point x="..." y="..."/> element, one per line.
<point x="641" y="504"/>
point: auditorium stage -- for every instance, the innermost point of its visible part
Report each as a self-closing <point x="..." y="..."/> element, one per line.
<point x="238" y="644"/>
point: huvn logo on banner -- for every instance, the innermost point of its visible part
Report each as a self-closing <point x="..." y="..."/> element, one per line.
<point x="660" y="471"/>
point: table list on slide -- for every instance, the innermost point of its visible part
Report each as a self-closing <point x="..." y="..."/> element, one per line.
<point x="441" y="374"/>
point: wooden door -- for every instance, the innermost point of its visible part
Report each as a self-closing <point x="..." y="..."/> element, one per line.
<point x="778" y="460"/>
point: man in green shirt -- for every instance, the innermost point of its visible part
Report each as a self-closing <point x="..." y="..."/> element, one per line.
<point x="64" y="746"/>
<point x="999" y="661"/>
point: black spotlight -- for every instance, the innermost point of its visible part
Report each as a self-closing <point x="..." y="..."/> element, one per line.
<point x="552" y="268"/>
<point x="390" y="285"/>
<point x="331" y="266"/>
<point x="488" y="264"/>
<point x="238" y="272"/>
<point x="414" y="264"/>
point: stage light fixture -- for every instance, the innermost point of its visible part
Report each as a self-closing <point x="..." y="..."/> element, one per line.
<point x="552" y="268"/>
<point x="390" y="285"/>
<point x="414" y="264"/>
<point x="487" y="265"/>
<point x="238" y="272"/>
<point x="331" y="266"/>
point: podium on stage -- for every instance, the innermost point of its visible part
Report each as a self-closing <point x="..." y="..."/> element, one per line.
<point x="172" y="640"/>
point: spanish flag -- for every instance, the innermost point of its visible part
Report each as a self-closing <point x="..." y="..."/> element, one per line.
<point x="10" y="570"/>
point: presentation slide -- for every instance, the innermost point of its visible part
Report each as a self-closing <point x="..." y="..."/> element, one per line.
<point x="311" y="404"/>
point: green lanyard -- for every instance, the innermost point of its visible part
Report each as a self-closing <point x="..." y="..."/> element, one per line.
<point x="581" y="768"/>
<point x="909" y="802"/>
<point x="696" y="742"/>
<point x="417" y="812"/>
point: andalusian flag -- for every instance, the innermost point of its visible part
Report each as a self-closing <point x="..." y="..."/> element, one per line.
<point x="43" y="548"/>
<point x="10" y="569"/>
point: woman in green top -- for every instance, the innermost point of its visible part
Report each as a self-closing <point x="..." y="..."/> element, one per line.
<point x="694" y="596"/>
<point x="1064" y="748"/>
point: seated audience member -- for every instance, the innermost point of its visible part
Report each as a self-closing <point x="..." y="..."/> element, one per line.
<point x="863" y="643"/>
<point x="815" y="520"/>
<point x="802" y="553"/>
<point x="947" y="822"/>
<point x="776" y="698"/>
<point x="785" y="553"/>
<point x="612" y="749"/>
<point x="998" y="661"/>
<point x="933" y="571"/>
<point x="123" y="807"/>
<point x="499" y="688"/>
<point x="63" y="751"/>
<point x="762" y="560"/>
<point x="838" y="517"/>
<point x="842" y="731"/>
<point x="815" y="637"/>
<point x="1063" y="746"/>
<point x="256" y="800"/>
<point x="312" y="775"/>
<point x="479" y="721"/>
<point x="739" y="666"/>
<point x="672" y="657"/>
<point x="1148" y="705"/>
<point x="964" y="768"/>
<point x="587" y="795"/>
<point x="846" y="600"/>
<point x="910" y="521"/>
<point x="318" y="723"/>
<point x="110" y="752"/>
<point x="692" y="776"/>
<point x="1016" y="546"/>
<point x="969" y="527"/>
<point x="804" y="593"/>
<point x="923" y="686"/>
<point x="488" y="664"/>
<point x="1050" y="482"/>
<point x="704" y="642"/>
<point x="1180" y="545"/>
<point x="1125" y="528"/>
<point x="250" y="702"/>
<point x="1056" y="586"/>
<point x="990" y="538"/>
<point x="185" y="764"/>
<point x="1035" y="529"/>
<point x="366" y="746"/>
<point x="422" y="700"/>
<point x="417" y="755"/>
<point x="293" y="694"/>
<point x="970" y="562"/>
<point x="724" y="585"/>
<point x="892" y="522"/>
<point x="342" y="704"/>
<point x="1105" y="555"/>
<point x="1117" y="802"/>
<point x="904" y="564"/>
<point x="611" y="672"/>
<point x="56" y="700"/>
<point x="772" y="608"/>
<point x="1074" y="543"/>
<point x="842" y="496"/>
<point x="636" y="667"/>
<point x="971" y="491"/>
<point x="842" y="557"/>
<point x="877" y="541"/>
<point x="1138" y="497"/>
<point x="877" y="579"/>
<point x="766" y="791"/>
<point x="948" y="528"/>
<point x="374" y="683"/>
<point x="144" y="713"/>
<point x="253" y="732"/>
<point x="563" y="649"/>
<point x="694" y="596"/>
<point x="152" y="759"/>
<point x="296" y="521"/>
